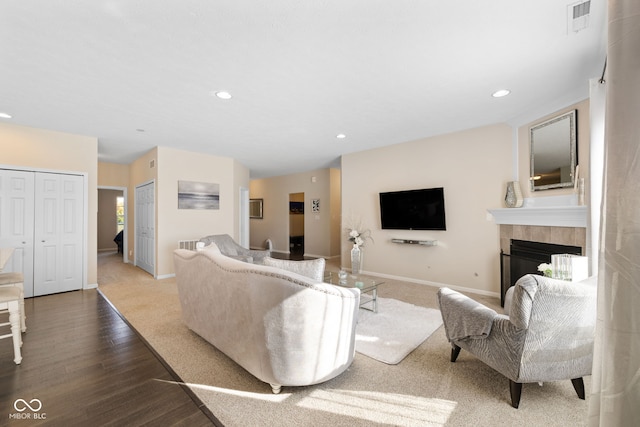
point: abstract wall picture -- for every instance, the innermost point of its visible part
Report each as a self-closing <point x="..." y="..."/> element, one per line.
<point x="315" y="205"/>
<point x="198" y="195"/>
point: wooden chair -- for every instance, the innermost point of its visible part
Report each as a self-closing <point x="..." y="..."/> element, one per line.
<point x="16" y="280"/>
<point x="10" y="301"/>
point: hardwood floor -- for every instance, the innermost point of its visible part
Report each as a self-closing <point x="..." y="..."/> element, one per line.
<point x="86" y="366"/>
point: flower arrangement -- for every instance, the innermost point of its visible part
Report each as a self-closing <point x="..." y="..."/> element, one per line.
<point x="358" y="238"/>
<point x="546" y="269"/>
<point x="356" y="232"/>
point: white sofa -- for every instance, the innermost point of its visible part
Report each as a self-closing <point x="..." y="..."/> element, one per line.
<point x="282" y="327"/>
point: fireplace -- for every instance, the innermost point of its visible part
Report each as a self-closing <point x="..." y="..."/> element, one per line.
<point x="557" y="222"/>
<point x="524" y="257"/>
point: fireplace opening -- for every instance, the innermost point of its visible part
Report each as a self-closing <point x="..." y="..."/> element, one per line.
<point x="524" y="258"/>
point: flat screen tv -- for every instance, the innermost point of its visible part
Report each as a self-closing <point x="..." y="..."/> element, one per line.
<point x="413" y="209"/>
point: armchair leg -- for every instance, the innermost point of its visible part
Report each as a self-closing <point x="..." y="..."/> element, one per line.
<point x="455" y="351"/>
<point x="578" y="385"/>
<point x="516" y="391"/>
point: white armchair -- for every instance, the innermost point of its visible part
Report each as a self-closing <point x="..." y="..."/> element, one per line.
<point x="547" y="336"/>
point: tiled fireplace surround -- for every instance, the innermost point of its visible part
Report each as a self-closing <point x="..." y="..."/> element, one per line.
<point x="572" y="236"/>
<point x="569" y="236"/>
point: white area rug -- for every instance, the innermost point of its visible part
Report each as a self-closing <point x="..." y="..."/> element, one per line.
<point x="395" y="330"/>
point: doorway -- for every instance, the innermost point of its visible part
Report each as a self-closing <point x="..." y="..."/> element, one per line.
<point x="112" y="221"/>
<point x="296" y="225"/>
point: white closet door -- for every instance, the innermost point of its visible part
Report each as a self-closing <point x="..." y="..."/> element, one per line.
<point x="16" y="223"/>
<point x="145" y="227"/>
<point x="59" y="213"/>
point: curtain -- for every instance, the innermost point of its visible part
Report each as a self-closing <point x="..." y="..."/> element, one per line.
<point x="597" y="101"/>
<point x="615" y="396"/>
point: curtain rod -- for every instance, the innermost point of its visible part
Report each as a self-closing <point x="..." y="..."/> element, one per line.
<point x="602" y="80"/>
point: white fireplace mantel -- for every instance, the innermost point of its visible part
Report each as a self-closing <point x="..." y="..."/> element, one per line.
<point x="556" y="211"/>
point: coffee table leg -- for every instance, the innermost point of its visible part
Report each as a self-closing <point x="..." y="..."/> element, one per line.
<point x="374" y="296"/>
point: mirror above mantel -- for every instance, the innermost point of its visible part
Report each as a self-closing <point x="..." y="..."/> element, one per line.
<point x="554" y="152"/>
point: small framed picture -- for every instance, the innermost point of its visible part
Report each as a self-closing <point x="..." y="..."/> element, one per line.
<point x="315" y="205"/>
<point x="255" y="208"/>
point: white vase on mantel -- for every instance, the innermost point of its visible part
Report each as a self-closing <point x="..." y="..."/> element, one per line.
<point x="513" y="198"/>
<point x="356" y="260"/>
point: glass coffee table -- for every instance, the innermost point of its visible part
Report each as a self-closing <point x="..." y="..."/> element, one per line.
<point x="367" y="286"/>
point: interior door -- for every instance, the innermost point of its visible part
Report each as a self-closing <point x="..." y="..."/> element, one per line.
<point x="145" y="227"/>
<point x="16" y="222"/>
<point x="58" y="240"/>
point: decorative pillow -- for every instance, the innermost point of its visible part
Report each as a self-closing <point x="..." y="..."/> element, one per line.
<point x="313" y="268"/>
<point x="211" y="247"/>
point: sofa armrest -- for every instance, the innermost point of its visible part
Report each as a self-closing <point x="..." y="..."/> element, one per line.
<point x="463" y="317"/>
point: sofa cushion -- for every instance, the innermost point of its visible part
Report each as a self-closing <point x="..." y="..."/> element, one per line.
<point x="313" y="268"/>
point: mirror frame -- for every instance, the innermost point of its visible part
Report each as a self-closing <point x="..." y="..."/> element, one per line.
<point x="572" y="140"/>
<point x="255" y="208"/>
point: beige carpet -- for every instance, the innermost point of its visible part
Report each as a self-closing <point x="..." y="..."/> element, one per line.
<point x="425" y="389"/>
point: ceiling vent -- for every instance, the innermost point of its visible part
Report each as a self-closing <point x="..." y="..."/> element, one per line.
<point x="578" y="16"/>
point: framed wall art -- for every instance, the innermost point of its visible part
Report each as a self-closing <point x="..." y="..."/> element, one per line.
<point x="255" y="208"/>
<point x="198" y="195"/>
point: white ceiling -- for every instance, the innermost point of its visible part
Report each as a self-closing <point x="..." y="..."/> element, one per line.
<point x="300" y="72"/>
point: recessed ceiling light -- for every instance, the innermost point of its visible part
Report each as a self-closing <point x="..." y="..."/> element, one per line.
<point x="5" y="115"/>
<point x="500" y="93"/>
<point x="223" y="95"/>
<point x="341" y="136"/>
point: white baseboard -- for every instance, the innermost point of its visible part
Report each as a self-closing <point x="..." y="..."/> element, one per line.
<point x="434" y="284"/>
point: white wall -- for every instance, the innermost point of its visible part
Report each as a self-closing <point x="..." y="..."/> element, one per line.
<point x="275" y="223"/>
<point x="473" y="166"/>
<point x="335" y="211"/>
<point x="175" y="224"/>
